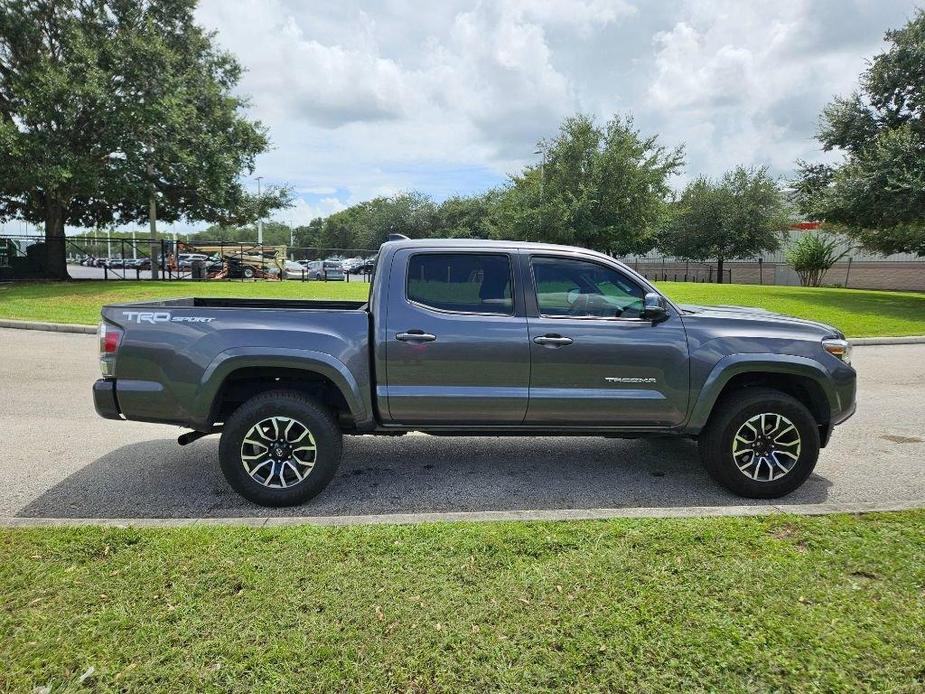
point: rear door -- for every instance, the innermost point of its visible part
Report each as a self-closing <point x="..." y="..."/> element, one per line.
<point x="457" y="351"/>
<point x="595" y="360"/>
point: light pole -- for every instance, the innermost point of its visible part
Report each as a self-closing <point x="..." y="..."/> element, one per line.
<point x="259" y="216"/>
<point x="542" y="173"/>
<point x="134" y="247"/>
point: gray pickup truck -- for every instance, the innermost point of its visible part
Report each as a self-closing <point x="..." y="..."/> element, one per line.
<point x="478" y="338"/>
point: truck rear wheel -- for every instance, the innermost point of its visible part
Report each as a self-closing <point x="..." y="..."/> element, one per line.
<point x="760" y="443"/>
<point x="280" y="449"/>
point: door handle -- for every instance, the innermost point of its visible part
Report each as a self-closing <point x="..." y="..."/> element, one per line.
<point x="415" y="336"/>
<point x="553" y="340"/>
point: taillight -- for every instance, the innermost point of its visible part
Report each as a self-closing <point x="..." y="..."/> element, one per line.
<point x="110" y="338"/>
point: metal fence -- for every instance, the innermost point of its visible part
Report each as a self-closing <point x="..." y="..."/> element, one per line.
<point x="851" y="272"/>
<point x="119" y="258"/>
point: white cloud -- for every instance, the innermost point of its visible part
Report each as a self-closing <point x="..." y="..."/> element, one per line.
<point x="302" y="212"/>
<point x="479" y="89"/>
<point x="369" y="97"/>
<point x="755" y="76"/>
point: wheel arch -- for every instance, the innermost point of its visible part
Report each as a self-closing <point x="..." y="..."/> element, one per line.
<point x="804" y="379"/>
<point x="237" y="375"/>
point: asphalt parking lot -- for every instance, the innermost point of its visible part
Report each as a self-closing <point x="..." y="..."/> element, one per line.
<point x="62" y="461"/>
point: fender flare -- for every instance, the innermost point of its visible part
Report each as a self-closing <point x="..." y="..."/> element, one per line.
<point x="734" y="365"/>
<point x="231" y="360"/>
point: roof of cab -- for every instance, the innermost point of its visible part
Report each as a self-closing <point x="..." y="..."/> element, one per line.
<point x="490" y="243"/>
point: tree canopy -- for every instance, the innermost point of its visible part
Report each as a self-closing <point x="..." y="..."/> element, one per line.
<point x="108" y="104"/>
<point x="603" y="187"/>
<point x="877" y="193"/>
<point x="739" y="216"/>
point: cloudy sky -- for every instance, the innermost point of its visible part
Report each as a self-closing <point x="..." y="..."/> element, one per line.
<point x="373" y="97"/>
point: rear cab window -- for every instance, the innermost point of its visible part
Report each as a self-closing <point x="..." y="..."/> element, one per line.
<point x="480" y="283"/>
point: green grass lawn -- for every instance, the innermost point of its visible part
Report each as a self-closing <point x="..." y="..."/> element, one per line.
<point x="856" y="312"/>
<point x="832" y="603"/>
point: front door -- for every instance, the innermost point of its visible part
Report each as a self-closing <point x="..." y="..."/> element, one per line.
<point x="457" y="352"/>
<point x="595" y="360"/>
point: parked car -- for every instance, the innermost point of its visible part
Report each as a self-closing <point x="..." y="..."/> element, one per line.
<point x="478" y="338"/>
<point x="294" y="270"/>
<point x="185" y="260"/>
<point x="143" y="263"/>
<point x="367" y="266"/>
<point x="350" y="265"/>
<point x="330" y="270"/>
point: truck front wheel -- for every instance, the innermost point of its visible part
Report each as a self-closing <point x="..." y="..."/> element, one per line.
<point x="280" y="449"/>
<point x="760" y="443"/>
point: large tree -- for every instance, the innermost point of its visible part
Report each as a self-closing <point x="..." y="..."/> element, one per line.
<point x="597" y="186"/>
<point x="465" y="217"/>
<point x="877" y="192"/>
<point x="739" y="216"/>
<point x="112" y="110"/>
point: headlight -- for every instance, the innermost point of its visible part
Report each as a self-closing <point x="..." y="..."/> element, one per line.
<point x="840" y="349"/>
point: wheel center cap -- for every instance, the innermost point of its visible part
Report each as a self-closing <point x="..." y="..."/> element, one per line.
<point x="280" y="451"/>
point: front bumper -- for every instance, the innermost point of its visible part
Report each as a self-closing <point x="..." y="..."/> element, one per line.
<point x="104" y="399"/>
<point x="845" y="404"/>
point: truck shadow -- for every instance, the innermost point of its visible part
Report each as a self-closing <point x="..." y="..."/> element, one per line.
<point x="408" y="474"/>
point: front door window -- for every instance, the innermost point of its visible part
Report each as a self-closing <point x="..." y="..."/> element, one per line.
<point x="579" y="289"/>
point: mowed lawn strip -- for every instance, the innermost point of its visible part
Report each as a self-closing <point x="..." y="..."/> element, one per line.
<point x="858" y="313"/>
<point x="782" y="603"/>
<point x="80" y="302"/>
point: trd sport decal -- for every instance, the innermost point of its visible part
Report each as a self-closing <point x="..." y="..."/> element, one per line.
<point x="153" y="317"/>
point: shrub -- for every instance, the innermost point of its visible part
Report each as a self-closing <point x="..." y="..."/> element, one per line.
<point x="812" y="256"/>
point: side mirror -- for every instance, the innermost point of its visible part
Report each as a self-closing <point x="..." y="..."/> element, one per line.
<point x="655" y="308"/>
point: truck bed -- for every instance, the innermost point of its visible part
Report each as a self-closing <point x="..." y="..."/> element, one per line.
<point x="175" y="353"/>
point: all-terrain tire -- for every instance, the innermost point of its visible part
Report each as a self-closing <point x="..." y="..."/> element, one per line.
<point x="277" y="483"/>
<point x="729" y="419"/>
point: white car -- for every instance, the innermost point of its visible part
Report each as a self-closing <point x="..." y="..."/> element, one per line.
<point x="186" y="259"/>
<point x="294" y="271"/>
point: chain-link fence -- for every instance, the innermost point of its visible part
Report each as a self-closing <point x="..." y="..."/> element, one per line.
<point x="852" y="272"/>
<point x="120" y="258"/>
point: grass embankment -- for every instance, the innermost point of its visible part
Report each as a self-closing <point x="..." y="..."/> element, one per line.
<point x="832" y="603"/>
<point x="858" y="313"/>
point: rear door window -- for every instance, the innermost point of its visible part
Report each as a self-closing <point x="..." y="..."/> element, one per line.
<point x="462" y="282"/>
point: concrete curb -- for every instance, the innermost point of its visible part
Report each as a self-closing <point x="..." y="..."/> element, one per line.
<point x="48" y="327"/>
<point x="475" y="516"/>
<point x="908" y="340"/>
<point x="91" y="330"/>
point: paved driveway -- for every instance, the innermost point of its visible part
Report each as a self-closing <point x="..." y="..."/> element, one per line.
<point x="61" y="460"/>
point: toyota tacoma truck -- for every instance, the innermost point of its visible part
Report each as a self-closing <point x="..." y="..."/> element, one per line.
<point x="478" y="338"/>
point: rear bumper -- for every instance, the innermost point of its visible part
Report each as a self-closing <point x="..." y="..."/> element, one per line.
<point x="104" y="399"/>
